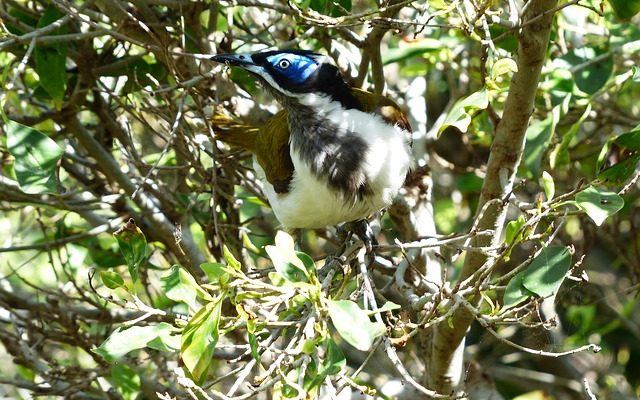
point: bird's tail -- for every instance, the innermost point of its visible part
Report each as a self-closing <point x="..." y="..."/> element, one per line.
<point x="234" y="132"/>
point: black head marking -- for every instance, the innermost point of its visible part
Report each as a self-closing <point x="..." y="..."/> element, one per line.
<point x="291" y="73"/>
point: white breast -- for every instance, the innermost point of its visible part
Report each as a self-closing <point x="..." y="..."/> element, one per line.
<point x="310" y="203"/>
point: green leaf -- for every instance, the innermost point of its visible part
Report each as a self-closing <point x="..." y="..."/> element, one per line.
<point x="513" y="228"/>
<point x="180" y="286"/>
<point x="559" y="156"/>
<point x="36" y="158"/>
<point x="340" y="8"/>
<point x="462" y="112"/>
<point x="547" y="271"/>
<point x="411" y="50"/>
<point x="439" y="4"/>
<point x="286" y="260"/>
<point x="51" y="68"/>
<point x="515" y="293"/>
<point x="332" y="364"/>
<point x="387" y="306"/>
<point x="199" y="339"/>
<point x="122" y="341"/>
<point x="353" y="324"/>
<point x="502" y="67"/>
<point x="126" y="380"/>
<point x="133" y="245"/>
<point x="559" y="82"/>
<point x="548" y="185"/>
<point x="625" y="9"/>
<point x="165" y="343"/>
<point x="619" y="173"/>
<point x="111" y="279"/>
<point x="216" y="273"/>
<point x="309" y="346"/>
<point x="51" y="60"/>
<point x="50" y="15"/>
<point x="539" y="135"/>
<point x="629" y="140"/>
<point x="590" y="70"/>
<point x="599" y="204"/>
<point x="24" y="16"/>
<point x="636" y="74"/>
<point x="253" y="346"/>
<point x="230" y="259"/>
<point x="318" y="5"/>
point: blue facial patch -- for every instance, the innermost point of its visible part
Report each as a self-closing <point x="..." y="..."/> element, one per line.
<point x="295" y="67"/>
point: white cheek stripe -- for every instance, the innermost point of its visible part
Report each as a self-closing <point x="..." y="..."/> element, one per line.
<point x="267" y="77"/>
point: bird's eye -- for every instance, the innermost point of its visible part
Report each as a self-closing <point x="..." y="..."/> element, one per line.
<point x="284" y="64"/>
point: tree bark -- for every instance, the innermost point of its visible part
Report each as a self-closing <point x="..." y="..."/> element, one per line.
<point x="447" y="340"/>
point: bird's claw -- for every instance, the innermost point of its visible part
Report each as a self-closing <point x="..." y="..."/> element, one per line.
<point x="363" y="231"/>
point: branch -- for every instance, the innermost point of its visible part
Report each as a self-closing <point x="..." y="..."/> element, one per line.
<point x="154" y="217"/>
<point x="506" y="153"/>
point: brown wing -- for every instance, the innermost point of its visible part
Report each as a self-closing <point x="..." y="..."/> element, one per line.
<point x="274" y="156"/>
<point x="385" y="107"/>
<point x="269" y="144"/>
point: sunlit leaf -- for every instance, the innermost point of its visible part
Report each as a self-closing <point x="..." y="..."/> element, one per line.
<point x="122" y="341"/>
<point x="353" y="324"/>
<point x="513" y="228"/>
<point x="462" y="112"/>
<point x="534" y="395"/>
<point x="547" y="271"/>
<point x="286" y="260"/>
<point x="199" y="339"/>
<point x="36" y="158"/>
<point x="180" y="286"/>
<point x="216" y="273"/>
<point x="503" y="66"/>
<point x="515" y="293"/>
<point x="548" y="185"/>
<point x="126" y="380"/>
<point x="133" y="245"/>
<point x="111" y="279"/>
<point x="599" y="204"/>
<point x="230" y="259"/>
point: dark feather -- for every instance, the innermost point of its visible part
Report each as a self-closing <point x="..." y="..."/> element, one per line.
<point x="333" y="154"/>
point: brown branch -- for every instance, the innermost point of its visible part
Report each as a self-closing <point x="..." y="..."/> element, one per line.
<point x="154" y="219"/>
<point x="505" y="157"/>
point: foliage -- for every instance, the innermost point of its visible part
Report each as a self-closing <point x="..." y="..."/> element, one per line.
<point x="140" y="259"/>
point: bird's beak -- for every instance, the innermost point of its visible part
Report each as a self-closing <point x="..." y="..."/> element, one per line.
<point x="236" y="60"/>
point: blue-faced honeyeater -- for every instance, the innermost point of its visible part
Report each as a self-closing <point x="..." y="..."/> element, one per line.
<point x="334" y="153"/>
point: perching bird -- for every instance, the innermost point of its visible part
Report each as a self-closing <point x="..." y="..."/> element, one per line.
<point x="334" y="153"/>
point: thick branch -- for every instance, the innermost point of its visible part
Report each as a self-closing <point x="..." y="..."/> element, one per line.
<point x="506" y="153"/>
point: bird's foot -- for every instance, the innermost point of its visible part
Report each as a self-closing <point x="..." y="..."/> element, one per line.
<point x="363" y="231"/>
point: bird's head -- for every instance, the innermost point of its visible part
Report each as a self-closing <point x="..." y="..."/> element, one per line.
<point x="294" y="75"/>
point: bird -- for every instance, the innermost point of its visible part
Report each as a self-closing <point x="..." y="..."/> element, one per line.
<point x="334" y="154"/>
